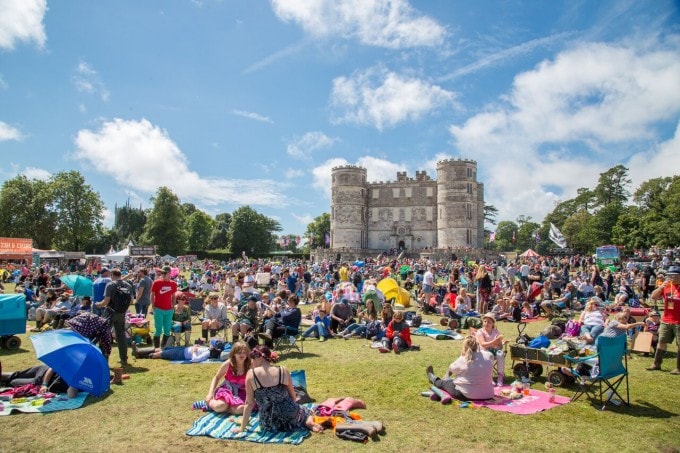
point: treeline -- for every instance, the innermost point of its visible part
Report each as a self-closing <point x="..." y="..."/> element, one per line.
<point x="605" y="214"/>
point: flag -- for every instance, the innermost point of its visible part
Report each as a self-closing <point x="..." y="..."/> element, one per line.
<point x="285" y="241"/>
<point x="492" y="236"/>
<point x="328" y="239"/>
<point x="538" y="237"/>
<point x="557" y="237"/>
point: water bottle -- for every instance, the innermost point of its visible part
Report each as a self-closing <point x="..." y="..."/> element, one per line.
<point x="552" y="395"/>
<point x="595" y="371"/>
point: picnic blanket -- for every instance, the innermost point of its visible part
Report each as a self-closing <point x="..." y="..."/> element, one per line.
<point x="438" y="334"/>
<point x="38" y="404"/>
<point x="219" y="426"/>
<point x="536" y="401"/>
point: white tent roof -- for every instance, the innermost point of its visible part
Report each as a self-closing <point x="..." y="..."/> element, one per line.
<point x="119" y="255"/>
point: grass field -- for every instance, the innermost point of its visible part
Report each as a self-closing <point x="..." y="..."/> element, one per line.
<point x="151" y="411"/>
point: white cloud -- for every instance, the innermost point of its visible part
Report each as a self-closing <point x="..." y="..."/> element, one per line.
<point x="8" y="132"/>
<point x="159" y="162"/>
<point x="3" y="84"/>
<point x="391" y="24"/>
<point x="36" y="173"/>
<point x="293" y="173"/>
<point x="252" y="116"/>
<point x="568" y="120"/>
<point x="304" y="219"/>
<point x="303" y="147"/>
<point x="22" y="20"/>
<point x="658" y="162"/>
<point x="381" y="98"/>
<point x="87" y="80"/>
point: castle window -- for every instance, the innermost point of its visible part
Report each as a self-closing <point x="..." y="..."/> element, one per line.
<point x="469" y="237"/>
<point x="468" y="207"/>
<point x="376" y="193"/>
<point x="469" y="172"/>
<point x="402" y="215"/>
<point x="408" y="192"/>
<point x="395" y="193"/>
<point x="429" y="191"/>
<point x="469" y="188"/>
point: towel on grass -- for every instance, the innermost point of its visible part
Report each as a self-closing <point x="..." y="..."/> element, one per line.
<point x="38" y="404"/>
<point x="219" y="426"/>
<point x="537" y="401"/>
<point x="438" y="334"/>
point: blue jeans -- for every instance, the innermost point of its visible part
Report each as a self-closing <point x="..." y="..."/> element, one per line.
<point x="319" y="329"/>
<point x="142" y="308"/>
<point x="592" y="331"/>
<point x="162" y="322"/>
<point x="175" y="353"/>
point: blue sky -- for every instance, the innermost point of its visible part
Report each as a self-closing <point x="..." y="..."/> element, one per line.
<point x="234" y="102"/>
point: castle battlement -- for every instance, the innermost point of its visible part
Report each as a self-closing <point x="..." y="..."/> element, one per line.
<point x="408" y="213"/>
<point x="349" y="167"/>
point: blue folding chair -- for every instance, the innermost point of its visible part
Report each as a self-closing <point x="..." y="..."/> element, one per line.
<point x="611" y="361"/>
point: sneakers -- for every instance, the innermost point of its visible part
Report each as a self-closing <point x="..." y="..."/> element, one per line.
<point x="265" y="335"/>
<point x="301" y="338"/>
<point x="383" y="349"/>
<point x="322" y="338"/>
<point x="395" y="348"/>
<point x="347" y="337"/>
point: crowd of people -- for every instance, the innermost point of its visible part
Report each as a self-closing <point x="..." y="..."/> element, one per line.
<point x="252" y="303"/>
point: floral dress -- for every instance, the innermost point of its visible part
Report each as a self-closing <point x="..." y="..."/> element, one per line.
<point x="278" y="412"/>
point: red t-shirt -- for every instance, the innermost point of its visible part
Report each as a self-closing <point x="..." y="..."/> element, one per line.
<point x="671" y="304"/>
<point x="163" y="291"/>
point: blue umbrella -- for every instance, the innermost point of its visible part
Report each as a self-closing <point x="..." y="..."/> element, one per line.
<point x="79" y="363"/>
<point x="81" y="286"/>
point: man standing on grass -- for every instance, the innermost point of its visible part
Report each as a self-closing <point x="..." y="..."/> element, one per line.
<point x="163" y="294"/>
<point x="117" y="313"/>
<point x="669" y="329"/>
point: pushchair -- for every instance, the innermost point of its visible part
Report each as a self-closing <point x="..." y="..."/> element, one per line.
<point x="137" y="329"/>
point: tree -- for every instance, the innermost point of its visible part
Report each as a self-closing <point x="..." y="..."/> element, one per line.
<point x="585" y="199"/>
<point x="490" y="214"/>
<point x="317" y="230"/>
<point x="251" y="232"/>
<point x="129" y="223"/>
<point x="504" y="234"/>
<point x="25" y="211"/>
<point x="199" y="227"/>
<point x="79" y="211"/>
<point x="165" y="224"/>
<point x="218" y="238"/>
<point x="612" y="187"/>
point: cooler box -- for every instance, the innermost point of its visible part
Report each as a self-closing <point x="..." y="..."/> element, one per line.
<point x="12" y="314"/>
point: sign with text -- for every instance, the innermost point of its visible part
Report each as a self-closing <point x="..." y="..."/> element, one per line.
<point x="142" y="250"/>
<point x="16" y="245"/>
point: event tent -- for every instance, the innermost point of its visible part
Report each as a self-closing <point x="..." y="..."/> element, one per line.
<point x="529" y="254"/>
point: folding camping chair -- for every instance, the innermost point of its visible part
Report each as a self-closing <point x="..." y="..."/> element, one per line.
<point x="288" y="342"/>
<point x="612" y="362"/>
<point x="196" y="305"/>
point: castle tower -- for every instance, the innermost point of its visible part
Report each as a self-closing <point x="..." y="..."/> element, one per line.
<point x="349" y="209"/>
<point x="458" y="204"/>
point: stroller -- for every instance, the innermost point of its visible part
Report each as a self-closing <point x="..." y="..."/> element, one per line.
<point x="137" y="329"/>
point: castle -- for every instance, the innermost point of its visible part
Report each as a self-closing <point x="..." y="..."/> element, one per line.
<point x="408" y="214"/>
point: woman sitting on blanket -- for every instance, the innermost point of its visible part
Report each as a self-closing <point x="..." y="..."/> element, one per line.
<point x="230" y="396"/>
<point x="469" y="376"/>
<point x="490" y="339"/>
<point x="359" y="329"/>
<point x="272" y="389"/>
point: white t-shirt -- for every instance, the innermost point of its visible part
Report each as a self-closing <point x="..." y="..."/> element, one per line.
<point x="428" y="279"/>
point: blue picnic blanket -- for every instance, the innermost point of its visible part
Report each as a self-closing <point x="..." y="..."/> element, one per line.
<point x="219" y="426"/>
<point x="37" y="404"/>
<point x="438" y="334"/>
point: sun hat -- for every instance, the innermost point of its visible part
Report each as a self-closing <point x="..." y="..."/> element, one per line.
<point x="490" y="316"/>
<point x="673" y="270"/>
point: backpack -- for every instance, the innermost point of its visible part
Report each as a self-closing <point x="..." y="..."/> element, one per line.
<point x="121" y="297"/>
<point x="572" y="329"/>
<point x="373" y="328"/>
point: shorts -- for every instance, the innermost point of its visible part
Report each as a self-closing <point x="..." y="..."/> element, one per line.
<point x="668" y="333"/>
<point x="427" y="289"/>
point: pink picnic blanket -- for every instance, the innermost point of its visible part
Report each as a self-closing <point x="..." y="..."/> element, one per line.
<point x="537" y="401"/>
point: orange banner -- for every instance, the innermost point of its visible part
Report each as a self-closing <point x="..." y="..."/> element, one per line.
<point x="16" y="245"/>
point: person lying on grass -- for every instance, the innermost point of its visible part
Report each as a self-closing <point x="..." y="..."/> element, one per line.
<point x="195" y="354"/>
